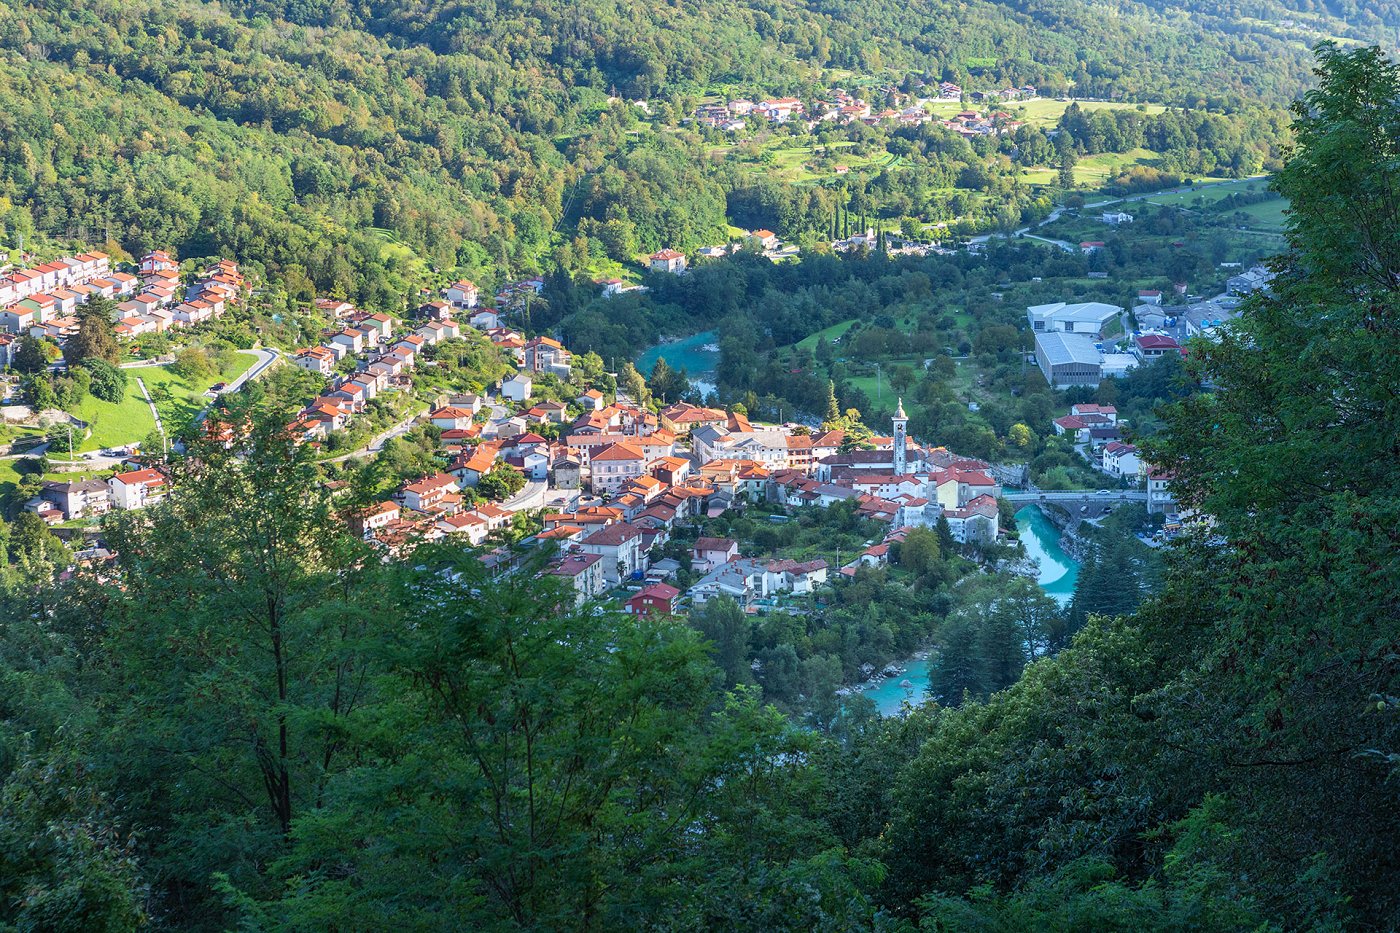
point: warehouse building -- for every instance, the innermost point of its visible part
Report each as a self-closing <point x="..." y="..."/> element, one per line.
<point x="1068" y="359"/>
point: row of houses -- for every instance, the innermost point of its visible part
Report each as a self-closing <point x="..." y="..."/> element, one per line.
<point x="49" y="293"/>
<point x="383" y="362"/>
<point x="66" y="500"/>
<point x="154" y="302"/>
<point x="164" y="304"/>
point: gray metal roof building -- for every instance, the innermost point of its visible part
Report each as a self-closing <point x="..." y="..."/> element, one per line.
<point x="1068" y="359"/>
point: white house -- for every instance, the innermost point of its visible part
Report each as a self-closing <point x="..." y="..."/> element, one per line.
<point x="1122" y="460"/>
<point x="616" y="465"/>
<point x="451" y="418"/>
<point x="667" y="260"/>
<point x="517" y="388"/>
<point x="584" y="572"/>
<point x="462" y="293"/>
<point x="137" y="489"/>
<point x="620" y="547"/>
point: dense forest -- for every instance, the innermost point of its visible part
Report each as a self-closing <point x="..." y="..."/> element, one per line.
<point x="355" y="148"/>
<point x="244" y="720"/>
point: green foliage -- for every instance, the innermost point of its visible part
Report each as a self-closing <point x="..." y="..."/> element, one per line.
<point x="106" y="382"/>
<point x="30" y="355"/>
<point x="96" y="338"/>
<point x="501" y="482"/>
<point x="63" y="862"/>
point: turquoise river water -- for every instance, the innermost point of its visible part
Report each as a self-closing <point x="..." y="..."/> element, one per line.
<point x="1058" y="573"/>
<point x="689" y="353"/>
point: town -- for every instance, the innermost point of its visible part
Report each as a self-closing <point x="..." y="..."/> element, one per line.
<point x="557" y="473"/>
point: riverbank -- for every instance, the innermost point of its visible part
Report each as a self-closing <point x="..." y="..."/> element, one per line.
<point x="1056" y="572"/>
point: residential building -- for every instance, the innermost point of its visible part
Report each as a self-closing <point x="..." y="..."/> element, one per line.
<point x="78" y="498"/>
<point x="462" y="293"/>
<point x="517" y="388"/>
<point x="667" y="260"/>
<point x="683" y="417"/>
<point x="709" y="553"/>
<point x="1122" y="460"/>
<point x="138" y="488"/>
<point x="656" y="599"/>
<point x="451" y="418"/>
<point x="614" y="466"/>
<point x="1159" y="494"/>
<point x="620" y="546"/>
<point x="430" y="492"/>
<point x="584" y="573"/>
<point x="317" y="360"/>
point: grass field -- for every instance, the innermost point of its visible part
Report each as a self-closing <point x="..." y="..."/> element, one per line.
<point x="1269" y="215"/>
<point x="124" y="423"/>
<point x="129" y="421"/>
<point x="791" y="162"/>
<point x="1093" y="170"/>
<point x="185" y="400"/>
<point x="1210" y="192"/>
<point x="1266" y="215"/>
<point x="835" y="330"/>
<point x="1046" y="111"/>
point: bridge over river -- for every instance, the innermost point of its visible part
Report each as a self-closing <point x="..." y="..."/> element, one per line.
<point x="1074" y="496"/>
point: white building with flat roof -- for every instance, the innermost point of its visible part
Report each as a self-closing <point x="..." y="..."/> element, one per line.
<point x="1089" y="317"/>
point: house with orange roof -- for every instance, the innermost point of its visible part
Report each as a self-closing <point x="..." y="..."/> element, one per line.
<point x="614" y="466"/>
<point x="428" y="492"/>
<point x="667" y="260"/>
<point x="450" y="418"/>
<point x="474" y="527"/>
<point x="462" y="293"/>
<point x="368" y="520"/>
<point x="683" y="417"/>
<point x="763" y="239"/>
<point x="317" y="359"/>
<point x="138" y="488"/>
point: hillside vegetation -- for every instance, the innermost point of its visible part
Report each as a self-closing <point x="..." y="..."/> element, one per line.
<point x="480" y="136"/>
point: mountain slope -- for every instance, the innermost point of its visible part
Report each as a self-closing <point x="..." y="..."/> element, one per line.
<point x="286" y="134"/>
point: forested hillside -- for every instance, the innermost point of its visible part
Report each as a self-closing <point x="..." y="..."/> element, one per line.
<point x="247" y="719"/>
<point x="350" y="147"/>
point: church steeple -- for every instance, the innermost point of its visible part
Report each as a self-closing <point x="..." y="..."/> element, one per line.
<point x="901" y="431"/>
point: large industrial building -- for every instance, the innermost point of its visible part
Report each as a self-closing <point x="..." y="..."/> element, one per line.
<point x="1068" y="359"/>
<point x="1089" y="317"/>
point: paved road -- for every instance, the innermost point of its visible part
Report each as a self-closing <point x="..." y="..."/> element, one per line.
<point x="531" y="497"/>
<point x="377" y="442"/>
<point x="141" y="383"/>
<point x="267" y="358"/>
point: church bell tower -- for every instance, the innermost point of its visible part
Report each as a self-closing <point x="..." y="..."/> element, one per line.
<point x="901" y="432"/>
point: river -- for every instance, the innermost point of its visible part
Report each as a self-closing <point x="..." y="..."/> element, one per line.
<point x="691" y="354"/>
<point x="1058" y="573"/>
